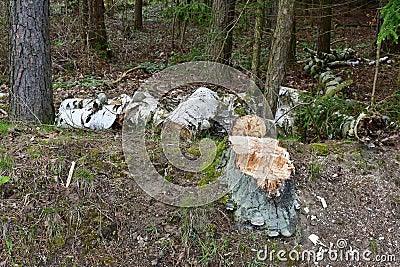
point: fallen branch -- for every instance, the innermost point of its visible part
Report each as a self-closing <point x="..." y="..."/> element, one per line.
<point x="123" y="76"/>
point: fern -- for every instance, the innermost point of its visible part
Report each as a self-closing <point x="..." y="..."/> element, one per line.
<point x="391" y="21"/>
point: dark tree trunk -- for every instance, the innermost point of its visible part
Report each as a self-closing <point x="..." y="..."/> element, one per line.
<point x="219" y="46"/>
<point x="31" y="93"/>
<point x="84" y="19"/>
<point x="279" y="50"/>
<point x="255" y="63"/>
<point x="324" y="27"/>
<point x="92" y="12"/>
<point x="271" y="13"/>
<point x="138" y="14"/>
<point x="292" y="46"/>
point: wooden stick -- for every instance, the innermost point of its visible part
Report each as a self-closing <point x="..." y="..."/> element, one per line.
<point x="71" y="172"/>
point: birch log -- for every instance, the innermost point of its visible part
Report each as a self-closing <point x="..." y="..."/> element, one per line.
<point x="195" y="113"/>
<point x="96" y="114"/>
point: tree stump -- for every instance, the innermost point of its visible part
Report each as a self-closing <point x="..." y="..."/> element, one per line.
<point x="258" y="174"/>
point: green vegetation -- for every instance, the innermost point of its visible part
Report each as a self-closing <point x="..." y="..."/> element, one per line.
<point x="320" y="149"/>
<point x="323" y="117"/>
<point x="84" y="174"/>
<point x="391" y="21"/>
<point x="390" y="106"/>
<point x="4" y="126"/>
<point x="194" y="11"/>
<point x="212" y="172"/>
<point x="4" y="179"/>
<point x="6" y="163"/>
<point x="315" y="168"/>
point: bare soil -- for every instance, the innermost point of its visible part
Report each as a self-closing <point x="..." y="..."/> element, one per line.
<point x="104" y="219"/>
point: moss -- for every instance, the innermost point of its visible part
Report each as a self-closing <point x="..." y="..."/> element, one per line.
<point x="6" y="163"/>
<point x="320" y="149"/>
<point x="84" y="174"/>
<point x="398" y="157"/>
<point x="240" y="111"/>
<point x="4" y="125"/>
<point x="58" y="241"/>
<point x="212" y="173"/>
<point x="194" y="151"/>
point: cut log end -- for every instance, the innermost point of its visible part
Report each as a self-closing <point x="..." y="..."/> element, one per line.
<point x="264" y="160"/>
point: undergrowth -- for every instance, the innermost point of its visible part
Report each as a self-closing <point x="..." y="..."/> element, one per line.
<point x="322" y="118"/>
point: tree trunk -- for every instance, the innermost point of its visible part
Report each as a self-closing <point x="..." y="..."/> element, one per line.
<point x="277" y="60"/>
<point x="255" y="63"/>
<point x="138" y="14"/>
<point x="272" y="13"/>
<point x="31" y="93"/>
<point x="94" y="23"/>
<point x="219" y="46"/>
<point x="292" y="46"/>
<point x="324" y="27"/>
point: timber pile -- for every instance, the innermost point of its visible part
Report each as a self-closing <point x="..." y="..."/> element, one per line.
<point x="258" y="171"/>
<point x="96" y="114"/>
<point x="320" y="68"/>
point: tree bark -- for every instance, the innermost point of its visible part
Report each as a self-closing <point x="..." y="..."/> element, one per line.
<point x="272" y="13"/>
<point x="138" y="14"/>
<point x="31" y="93"/>
<point x="277" y="60"/>
<point x="92" y="12"/>
<point x="324" y="27"/>
<point x="220" y="42"/>
<point x="255" y="63"/>
<point x="292" y="46"/>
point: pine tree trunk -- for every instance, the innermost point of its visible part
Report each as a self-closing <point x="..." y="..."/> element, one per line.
<point x="138" y="14"/>
<point x="292" y="46"/>
<point x="324" y="27"/>
<point x="31" y="93"/>
<point x="279" y="50"/>
<point x="96" y="27"/>
<point x="219" y="46"/>
<point x="255" y="63"/>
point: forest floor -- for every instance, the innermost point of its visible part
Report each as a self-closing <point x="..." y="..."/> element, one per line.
<point x="104" y="219"/>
